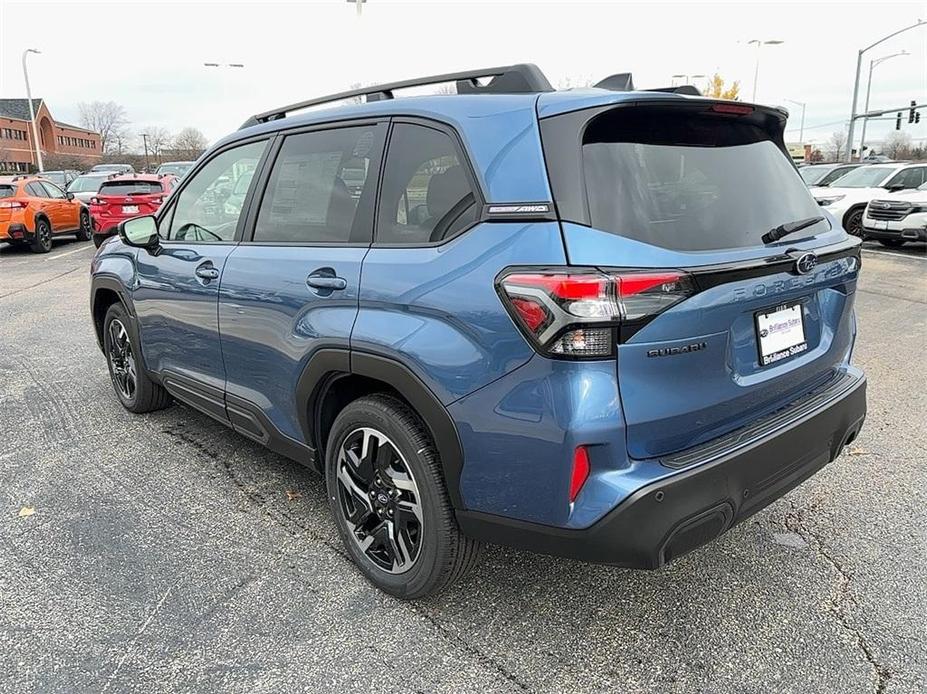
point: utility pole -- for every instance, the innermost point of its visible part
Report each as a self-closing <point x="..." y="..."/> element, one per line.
<point x="801" y="129"/>
<point x="35" y="132"/>
<point x="859" y="65"/>
<point x="145" y="144"/>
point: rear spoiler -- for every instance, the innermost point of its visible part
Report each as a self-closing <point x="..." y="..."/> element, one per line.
<point x="624" y="82"/>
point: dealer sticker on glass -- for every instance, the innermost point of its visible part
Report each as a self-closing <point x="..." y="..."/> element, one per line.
<point x="780" y="333"/>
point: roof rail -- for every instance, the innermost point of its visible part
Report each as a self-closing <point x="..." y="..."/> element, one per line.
<point x="523" y="78"/>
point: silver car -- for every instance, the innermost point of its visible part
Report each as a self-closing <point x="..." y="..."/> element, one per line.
<point x="86" y="185"/>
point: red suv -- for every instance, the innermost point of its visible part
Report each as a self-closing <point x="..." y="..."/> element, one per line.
<point x="124" y="197"/>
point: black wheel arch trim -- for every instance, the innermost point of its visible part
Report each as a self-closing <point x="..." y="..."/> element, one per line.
<point x="114" y="284"/>
<point x="327" y="365"/>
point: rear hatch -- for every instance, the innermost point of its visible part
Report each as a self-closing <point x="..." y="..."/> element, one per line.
<point x="731" y="326"/>
<point x="6" y="202"/>
<point x="127" y="198"/>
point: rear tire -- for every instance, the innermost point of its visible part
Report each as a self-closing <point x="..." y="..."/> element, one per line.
<point x="892" y="243"/>
<point x="135" y="390"/>
<point x="85" y="232"/>
<point x="391" y="506"/>
<point x="42" y="242"/>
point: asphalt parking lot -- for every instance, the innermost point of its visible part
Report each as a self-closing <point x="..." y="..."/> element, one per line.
<point x="167" y="553"/>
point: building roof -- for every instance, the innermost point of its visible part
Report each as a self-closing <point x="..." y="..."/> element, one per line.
<point x="18" y="108"/>
<point x="59" y="124"/>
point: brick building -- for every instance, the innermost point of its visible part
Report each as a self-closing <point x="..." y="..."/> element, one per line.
<point x="16" y="149"/>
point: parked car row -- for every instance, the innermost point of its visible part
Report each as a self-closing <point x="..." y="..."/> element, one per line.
<point x="34" y="209"/>
<point x="897" y="218"/>
<point x="846" y="197"/>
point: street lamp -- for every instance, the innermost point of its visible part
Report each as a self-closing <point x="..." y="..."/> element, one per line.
<point x="756" y="70"/>
<point x="359" y="4"/>
<point x="872" y="64"/>
<point x="859" y="66"/>
<point x="801" y="130"/>
<point x="35" y="132"/>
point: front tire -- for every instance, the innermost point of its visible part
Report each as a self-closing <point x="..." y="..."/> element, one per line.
<point x="135" y="390"/>
<point x="387" y="495"/>
<point x="853" y="222"/>
<point x="85" y="232"/>
<point x="42" y="242"/>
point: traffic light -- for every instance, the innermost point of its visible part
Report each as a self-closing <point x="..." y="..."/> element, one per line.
<point x="911" y="112"/>
<point x="898" y="121"/>
<point x="917" y="117"/>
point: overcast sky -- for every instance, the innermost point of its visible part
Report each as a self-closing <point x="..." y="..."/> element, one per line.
<point x="149" y="57"/>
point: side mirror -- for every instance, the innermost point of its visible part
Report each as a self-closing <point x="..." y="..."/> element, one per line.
<point x="140" y="232"/>
<point x="895" y="187"/>
<point x="70" y="196"/>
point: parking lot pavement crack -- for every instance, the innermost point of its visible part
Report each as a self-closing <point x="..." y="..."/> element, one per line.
<point x="38" y="284"/>
<point x="843" y="593"/>
<point x="467" y="648"/>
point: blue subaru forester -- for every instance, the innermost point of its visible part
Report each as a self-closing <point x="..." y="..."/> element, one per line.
<point x="605" y="323"/>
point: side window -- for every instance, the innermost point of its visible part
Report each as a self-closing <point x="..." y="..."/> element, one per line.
<point x="426" y="195"/>
<point x="36" y="190"/>
<point x="208" y="207"/>
<point x="52" y="190"/>
<point x="909" y="178"/>
<point x="320" y="189"/>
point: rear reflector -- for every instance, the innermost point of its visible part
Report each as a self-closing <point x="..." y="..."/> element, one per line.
<point x="580" y="472"/>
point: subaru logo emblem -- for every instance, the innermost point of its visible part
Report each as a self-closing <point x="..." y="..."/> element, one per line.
<point x="806" y="263"/>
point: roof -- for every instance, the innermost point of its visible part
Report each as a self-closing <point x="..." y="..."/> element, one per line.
<point x="18" y="108"/>
<point x="136" y="177"/>
<point x="59" y="124"/>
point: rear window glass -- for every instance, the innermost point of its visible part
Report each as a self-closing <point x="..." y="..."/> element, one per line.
<point x="6" y="191"/>
<point x="689" y="182"/>
<point x="86" y="184"/>
<point x="130" y="188"/>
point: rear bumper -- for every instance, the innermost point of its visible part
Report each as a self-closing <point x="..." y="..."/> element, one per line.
<point x="670" y="517"/>
<point x="17" y="232"/>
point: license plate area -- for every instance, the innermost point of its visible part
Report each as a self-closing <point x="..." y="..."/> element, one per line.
<point x="130" y="209"/>
<point x="780" y="332"/>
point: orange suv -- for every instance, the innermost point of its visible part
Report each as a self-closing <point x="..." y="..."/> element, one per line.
<point x="33" y="210"/>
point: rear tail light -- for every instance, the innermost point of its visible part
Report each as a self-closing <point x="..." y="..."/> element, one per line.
<point x="12" y="205"/>
<point x="578" y="313"/>
<point x="580" y="472"/>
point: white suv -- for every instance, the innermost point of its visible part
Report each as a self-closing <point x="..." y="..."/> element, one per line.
<point x="847" y="201"/>
<point x="897" y="218"/>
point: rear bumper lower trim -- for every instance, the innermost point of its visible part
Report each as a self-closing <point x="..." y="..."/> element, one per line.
<point x="670" y="517"/>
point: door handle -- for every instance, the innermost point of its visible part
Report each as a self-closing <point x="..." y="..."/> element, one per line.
<point x="207" y="272"/>
<point x="325" y="278"/>
<point x="322" y="282"/>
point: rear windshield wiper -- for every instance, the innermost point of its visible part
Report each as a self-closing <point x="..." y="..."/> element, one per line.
<point x="783" y="230"/>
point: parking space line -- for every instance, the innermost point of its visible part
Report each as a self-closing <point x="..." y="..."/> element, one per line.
<point x="76" y="250"/>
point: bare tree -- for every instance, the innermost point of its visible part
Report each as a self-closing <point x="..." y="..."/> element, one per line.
<point x="158" y="139"/>
<point x="107" y="118"/>
<point x="574" y="82"/>
<point x="838" y="140"/>
<point x="190" y="143"/>
<point x="897" y="145"/>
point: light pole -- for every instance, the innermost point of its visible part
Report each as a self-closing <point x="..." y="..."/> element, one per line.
<point x="145" y="145"/>
<point x="756" y="69"/>
<point x="872" y="64"/>
<point x="801" y="130"/>
<point x="859" y="65"/>
<point x="359" y="4"/>
<point x="223" y="64"/>
<point x="35" y="132"/>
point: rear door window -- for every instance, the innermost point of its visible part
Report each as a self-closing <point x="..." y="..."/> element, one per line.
<point x="321" y="188"/>
<point x="426" y="195"/>
<point x="7" y="191"/>
<point x="689" y="182"/>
